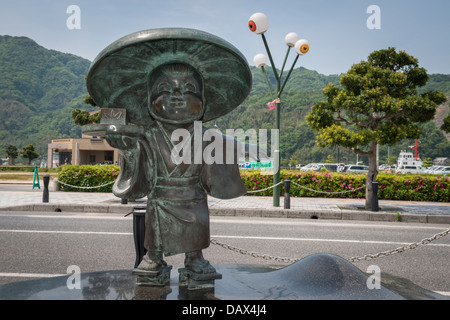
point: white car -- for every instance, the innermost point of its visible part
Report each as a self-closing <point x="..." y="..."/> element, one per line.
<point x="410" y="169"/>
<point x="442" y="170"/>
<point x="308" y="167"/>
<point x="357" y="168"/>
<point x="432" y="169"/>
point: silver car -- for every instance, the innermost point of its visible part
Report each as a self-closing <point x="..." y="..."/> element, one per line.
<point x="357" y="168"/>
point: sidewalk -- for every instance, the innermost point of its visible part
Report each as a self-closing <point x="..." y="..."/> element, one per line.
<point x="249" y="206"/>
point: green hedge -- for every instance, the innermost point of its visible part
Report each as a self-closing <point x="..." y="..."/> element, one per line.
<point x="17" y="168"/>
<point x="88" y="176"/>
<point x="320" y="181"/>
<point x="390" y="186"/>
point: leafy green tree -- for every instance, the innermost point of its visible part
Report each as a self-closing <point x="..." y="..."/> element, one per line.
<point x="427" y="162"/>
<point x="29" y="153"/>
<point x="391" y="160"/>
<point x="446" y="125"/>
<point x="330" y="159"/>
<point x="11" y="152"/>
<point x="83" y="117"/>
<point x="377" y="104"/>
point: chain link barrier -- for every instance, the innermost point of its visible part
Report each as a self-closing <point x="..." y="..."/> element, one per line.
<point x="291" y="260"/>
<point x="275" y="185"/>
<point x="401" y="249"/>
<point x="352" y="259"/>
<point x="327" y="192"/>
<point x="69" y="185"/>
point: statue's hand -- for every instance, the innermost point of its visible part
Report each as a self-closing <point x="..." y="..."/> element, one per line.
<point x="123" y="137"/>
<point x="120" y="141"/>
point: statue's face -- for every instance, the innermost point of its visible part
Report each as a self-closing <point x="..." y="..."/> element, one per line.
<point x="176" y="95"/>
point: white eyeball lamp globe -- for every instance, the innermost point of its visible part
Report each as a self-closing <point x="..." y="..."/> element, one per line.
<point x="291" y="39"/>
<point x="258" y="23"/>
<point x="260" y="61"/>
<point x="301" y="46"/>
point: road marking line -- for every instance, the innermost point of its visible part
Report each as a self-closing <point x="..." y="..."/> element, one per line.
<point x="70" y="232"/>
<point x="226" y="236"/>
<point x="106" y="216"/>
<point x="30" y="275"/>
<point x="321" y="240"/>
<point x="321" y="223"/>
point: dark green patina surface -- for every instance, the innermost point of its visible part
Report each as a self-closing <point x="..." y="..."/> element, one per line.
<point x="150" y="84"/>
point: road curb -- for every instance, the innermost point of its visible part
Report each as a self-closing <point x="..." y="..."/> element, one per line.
<point x="357" y="215"/>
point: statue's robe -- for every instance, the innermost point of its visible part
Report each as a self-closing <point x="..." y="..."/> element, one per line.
<point x="177" y="219"/>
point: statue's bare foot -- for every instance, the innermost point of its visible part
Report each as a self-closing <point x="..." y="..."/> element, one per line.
<point x="195" y="262"/>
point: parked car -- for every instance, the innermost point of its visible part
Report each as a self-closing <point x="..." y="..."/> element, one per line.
<point x="410" y="169"/>
<point x="331" y="166"/>
<point x="443" y="170"/>
<point x="386" y="168"/>
<point x="432" y="169"/>
<point x="357" y="168"/>
<point x="328" y="166"/>
<point x="308" y="167"/>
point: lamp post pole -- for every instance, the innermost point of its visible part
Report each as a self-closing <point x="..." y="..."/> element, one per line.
<point x="259" y="23"/>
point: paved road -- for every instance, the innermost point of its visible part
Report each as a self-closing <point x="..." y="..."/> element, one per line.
<point x="23" y="196"/>
<point x="37" y="244"/>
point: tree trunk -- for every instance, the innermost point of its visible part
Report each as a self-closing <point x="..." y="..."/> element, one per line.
<point x="372" y="174"/>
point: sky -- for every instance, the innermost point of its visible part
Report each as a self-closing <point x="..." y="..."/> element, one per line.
<point x="337" y="30"/>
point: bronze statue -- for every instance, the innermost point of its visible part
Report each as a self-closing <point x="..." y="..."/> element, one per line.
<point x="168" y="80"/>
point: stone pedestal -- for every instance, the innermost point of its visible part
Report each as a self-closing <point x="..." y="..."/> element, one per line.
<point x="159" y="278"/>
<point x="195" y="281"/>
<point x="316" y="277"/>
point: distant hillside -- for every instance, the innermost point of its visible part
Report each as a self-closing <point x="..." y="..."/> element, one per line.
<point x="297" y="140"/>
<point x="39" y="88"/>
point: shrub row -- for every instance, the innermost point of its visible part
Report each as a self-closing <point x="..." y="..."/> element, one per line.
<point x="390" y="186"/>
<point x="88" y="176"/>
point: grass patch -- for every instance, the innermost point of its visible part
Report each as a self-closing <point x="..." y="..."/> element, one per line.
<point x="23" y="176"/>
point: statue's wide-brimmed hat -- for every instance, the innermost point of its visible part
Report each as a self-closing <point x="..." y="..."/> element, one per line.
<point x="118" y="76"/>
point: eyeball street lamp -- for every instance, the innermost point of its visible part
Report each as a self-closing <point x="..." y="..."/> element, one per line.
<point x="301" y="46"/>
<point x="260" y="61"/>
<point x="259" y="24"/>
<point x="290" y="39"/>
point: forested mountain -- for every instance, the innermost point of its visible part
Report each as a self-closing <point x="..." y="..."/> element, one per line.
<point x="297" y="140"/>
<point x="39" y="88"/>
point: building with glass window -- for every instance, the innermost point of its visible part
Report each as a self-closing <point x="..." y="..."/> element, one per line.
<point x="82" y="151"/>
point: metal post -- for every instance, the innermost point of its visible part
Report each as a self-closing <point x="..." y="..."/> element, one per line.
<point x="139" y="233"/>
<point x="45" y="196"/>
<point x="287" y="195"/>
<point x="279" y="90"/>
<point x="276" y="178"/>
<point x="374" y="204"/>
